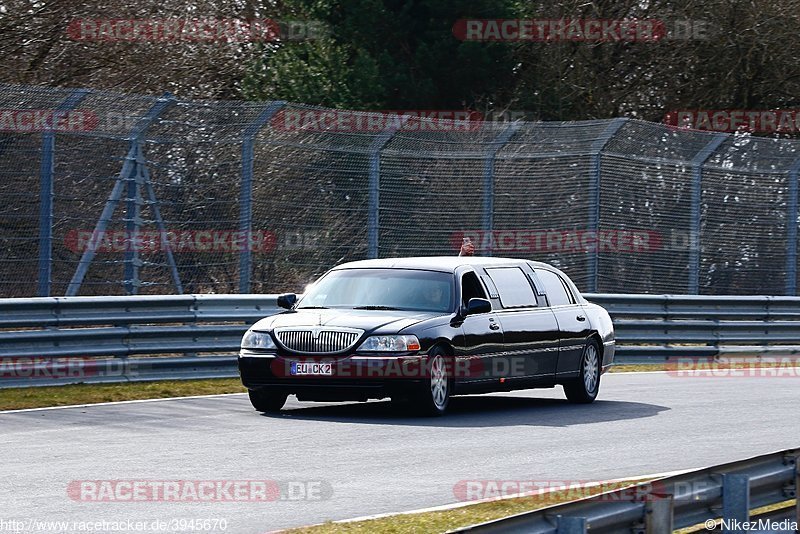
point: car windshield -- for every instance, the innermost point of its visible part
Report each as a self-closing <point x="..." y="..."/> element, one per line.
<point x="382" y="289"/>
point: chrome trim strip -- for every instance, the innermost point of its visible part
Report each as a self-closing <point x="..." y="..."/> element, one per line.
<point x="266" y="356"/>
<point x="366" y="358"/>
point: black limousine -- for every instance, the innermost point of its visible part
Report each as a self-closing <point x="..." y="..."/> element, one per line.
<point x="419" y="330"/>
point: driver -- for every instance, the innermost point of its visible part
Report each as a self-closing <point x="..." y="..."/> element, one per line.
<point x="433" y="297"/>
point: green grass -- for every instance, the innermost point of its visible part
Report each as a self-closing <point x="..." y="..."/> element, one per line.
<point x="38" y="397"/>
<point x="442" y="521"/>
<point x="634" y="368"/>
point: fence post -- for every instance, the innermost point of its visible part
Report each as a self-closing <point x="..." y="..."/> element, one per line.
<point x="380" y="141"/>
<point x="134" y="160"/>
<point x="46" y="193"/>
<point x="246" y="193"/>
<point x="697" y="192"/>
<point x="133" y="222"/>
<point x="791" y="230"/>
<point x="598" y="146"/>
<point x="488" y="177"/>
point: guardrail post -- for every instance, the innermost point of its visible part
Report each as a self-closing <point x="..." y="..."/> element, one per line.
<point x="134" y="160"/>
<point x="594" y="200"/>
<point x="791" y="230"/>
<point x="659" y="514"/>
<point x="373" y="219"/>
<point x="246" y="193"/>
<point x="735" y="498"/>
<point x="570" y="525"/>
<point x="488" y="177"/>
<point x="697" y="192"/>
<point x="46" y="194"/>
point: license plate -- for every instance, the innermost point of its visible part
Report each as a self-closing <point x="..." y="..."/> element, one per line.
<point x="310" y="368"/>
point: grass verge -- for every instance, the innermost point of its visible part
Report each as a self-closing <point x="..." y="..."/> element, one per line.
<point x="444" y="520"/>
<point x="39" y="397"/>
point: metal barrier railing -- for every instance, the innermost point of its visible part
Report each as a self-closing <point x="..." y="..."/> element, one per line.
<point x="724" y="494"/>
<point x="104" y="339"/>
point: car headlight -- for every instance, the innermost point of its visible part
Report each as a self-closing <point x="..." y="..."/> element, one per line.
<point x="390" y="344"/>
<point x="257" y="340"/>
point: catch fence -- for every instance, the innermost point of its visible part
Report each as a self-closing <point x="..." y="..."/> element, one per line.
<point x="104" y="193"/>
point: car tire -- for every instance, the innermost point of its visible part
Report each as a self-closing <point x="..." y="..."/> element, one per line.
<point x="267" y="401"/>
<point x="434" y="396"/>
<point x="584" y="389"/>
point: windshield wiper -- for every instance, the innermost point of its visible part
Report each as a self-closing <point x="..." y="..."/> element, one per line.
<point x="374" y="308"/>
<point x="312" y="308"/>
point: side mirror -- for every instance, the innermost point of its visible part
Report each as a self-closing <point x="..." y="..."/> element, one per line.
<point x="476" y="306"/>
<point x="287" y="300"/>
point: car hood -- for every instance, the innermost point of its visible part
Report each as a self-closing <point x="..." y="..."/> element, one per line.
<point x="382" y="321"/>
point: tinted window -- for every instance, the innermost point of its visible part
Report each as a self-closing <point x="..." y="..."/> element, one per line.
<point x="556" y="293"/>
<point x="404" y="289"/>
<point x="513" y="286"/>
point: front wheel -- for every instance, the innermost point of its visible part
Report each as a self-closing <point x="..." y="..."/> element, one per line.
<point x="435" y="395"/>
<point x="583" y="390"/>
<point x="267" y="401"/>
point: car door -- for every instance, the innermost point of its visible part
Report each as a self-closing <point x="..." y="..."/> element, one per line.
<point x="573" y="325"/>
<point x="530" y="331"/>
<point x="483" y="336"/>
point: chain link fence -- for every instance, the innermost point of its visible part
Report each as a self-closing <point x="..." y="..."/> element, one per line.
<point x="103" y="193"/>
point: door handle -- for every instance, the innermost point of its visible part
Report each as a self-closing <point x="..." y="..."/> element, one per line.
<point x="581" y="318"/>
<point x="494" y="326"/>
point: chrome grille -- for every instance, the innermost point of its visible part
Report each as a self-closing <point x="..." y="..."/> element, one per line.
<point x="317" y="341"/>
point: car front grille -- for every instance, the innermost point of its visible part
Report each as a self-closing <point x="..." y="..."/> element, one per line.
<point x="317" y="341"/>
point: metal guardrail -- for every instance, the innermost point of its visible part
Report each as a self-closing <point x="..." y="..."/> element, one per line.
<point x="57" y="340"/>
<point x="656" y="328"/>
<point x="729" y="492"/>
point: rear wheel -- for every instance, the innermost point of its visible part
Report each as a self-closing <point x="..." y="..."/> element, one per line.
<point x="583" y="389"/>
<point x="267" y="401"/>
<point x="435" y="395"/>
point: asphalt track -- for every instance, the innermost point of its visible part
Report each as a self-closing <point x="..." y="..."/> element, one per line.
<point x="366" y="459"/>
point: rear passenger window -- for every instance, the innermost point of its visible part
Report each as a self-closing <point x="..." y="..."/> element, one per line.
<point x="514" y="288"/>
<point x="556" y="293"/>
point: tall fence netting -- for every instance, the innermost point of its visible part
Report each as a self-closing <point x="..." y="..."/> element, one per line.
<point x="104" y="193"/>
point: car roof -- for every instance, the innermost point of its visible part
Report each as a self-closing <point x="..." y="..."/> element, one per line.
<point x="447" y="264"/>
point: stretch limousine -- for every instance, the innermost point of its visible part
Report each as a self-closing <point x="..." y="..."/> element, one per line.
<point x="419" y="330"/>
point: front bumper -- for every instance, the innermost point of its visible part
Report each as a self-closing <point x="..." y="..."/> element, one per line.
<point x="354" y="377"/>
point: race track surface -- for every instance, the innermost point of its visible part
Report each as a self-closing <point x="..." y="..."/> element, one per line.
<point x="367" y="459"/>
